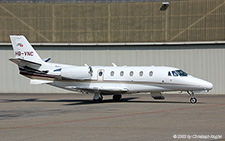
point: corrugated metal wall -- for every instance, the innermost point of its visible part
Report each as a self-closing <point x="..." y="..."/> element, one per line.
<point x="203" y="61"/>
<point x="184" y="20"/>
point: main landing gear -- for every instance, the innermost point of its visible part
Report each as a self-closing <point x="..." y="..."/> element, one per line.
<point x="117" y="98"/>
<point x="193" y="100"/>
<point x="97" y="97"/>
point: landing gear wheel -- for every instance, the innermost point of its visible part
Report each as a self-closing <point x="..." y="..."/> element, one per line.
<point x="98" y="100"/>
<point x="193" y="100"/>
<point x="97" y="97"/>
<point x="117" y="98"/>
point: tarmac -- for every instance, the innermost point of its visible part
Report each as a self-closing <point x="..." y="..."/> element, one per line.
<point x="56" y="117"/>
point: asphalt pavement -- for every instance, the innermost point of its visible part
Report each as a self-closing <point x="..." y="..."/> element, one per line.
<point x="70" y="117"/>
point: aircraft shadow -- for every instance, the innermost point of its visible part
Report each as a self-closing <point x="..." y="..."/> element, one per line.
<point x="19" y="100"/>
<point x="88" y="102"/>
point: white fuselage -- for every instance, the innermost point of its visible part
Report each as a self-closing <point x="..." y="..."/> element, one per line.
<point x="134" y="79"/>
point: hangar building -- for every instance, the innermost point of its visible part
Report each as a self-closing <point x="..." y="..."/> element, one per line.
<point x="187" y="34"/>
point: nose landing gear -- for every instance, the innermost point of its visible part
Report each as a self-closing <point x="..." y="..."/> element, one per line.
<point x="193" y="100"/>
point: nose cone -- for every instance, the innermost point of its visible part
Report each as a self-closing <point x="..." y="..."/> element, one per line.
<point x="202" y="85"/>
<point x="207" y="85"/>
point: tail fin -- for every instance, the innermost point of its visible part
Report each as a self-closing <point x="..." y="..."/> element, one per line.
<point x="23" y="49"/>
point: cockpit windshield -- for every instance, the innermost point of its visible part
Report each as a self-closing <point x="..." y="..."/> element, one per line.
<point x="181" y="73"/>
<point x="177" y="73"/>
<point x="174" y="73"/>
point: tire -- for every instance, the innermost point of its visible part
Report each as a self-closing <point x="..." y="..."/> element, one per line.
<point x="193" y="100"/>
<point x="117" y="98"/>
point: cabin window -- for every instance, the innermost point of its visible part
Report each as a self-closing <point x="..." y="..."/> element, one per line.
<point x="131" y="73"/>
<point x="100" y="73"/>
<point x="112" y="73"/>
<point x="174" y="73"/>
<point x="121" y="73"/>
<point x="150" y="73"/>
<point x="141" y="73"/>
<point x="169" y="73"/>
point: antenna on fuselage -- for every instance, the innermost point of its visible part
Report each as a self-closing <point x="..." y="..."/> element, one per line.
<point x="114" y="65"/>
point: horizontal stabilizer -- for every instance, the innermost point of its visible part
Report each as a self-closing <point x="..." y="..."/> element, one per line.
<point x="37" y="81"/>
<point x="25" y="63"/>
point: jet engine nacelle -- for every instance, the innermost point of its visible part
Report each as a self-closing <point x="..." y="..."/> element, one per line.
<point x="79" y="73"/>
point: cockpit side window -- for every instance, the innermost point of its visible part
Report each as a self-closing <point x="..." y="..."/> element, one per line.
<point x="174" y="73"/>
<point x="181" y="73"/>
<point x="169" y="73"/>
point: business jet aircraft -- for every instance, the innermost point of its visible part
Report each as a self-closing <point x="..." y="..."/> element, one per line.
<point x="104" y="80"/>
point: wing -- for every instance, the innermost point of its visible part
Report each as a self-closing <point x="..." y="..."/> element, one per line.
<point x="105" y="90"/>
<point x="37" y="81"/>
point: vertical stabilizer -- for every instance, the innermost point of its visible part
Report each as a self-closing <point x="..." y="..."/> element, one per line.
<point x="23" y="49"/>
